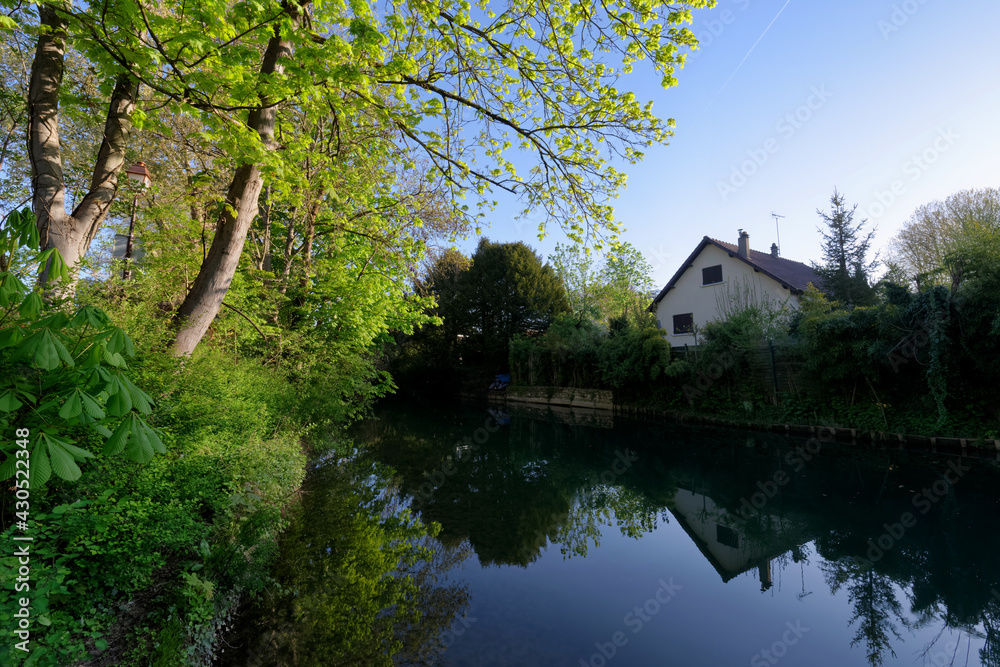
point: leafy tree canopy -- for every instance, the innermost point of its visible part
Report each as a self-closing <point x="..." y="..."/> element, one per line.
<point x="600" y="290"/>
<point x="506" y="291"/>
<point x="940" y="228"/>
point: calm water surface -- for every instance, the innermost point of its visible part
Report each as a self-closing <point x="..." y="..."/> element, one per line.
<point x="576" y="540"/>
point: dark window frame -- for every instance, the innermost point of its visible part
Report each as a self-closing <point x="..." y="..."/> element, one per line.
<point x="726" y="536"/>
<point x="706" y="276"/>
<point x="684" y="328"/>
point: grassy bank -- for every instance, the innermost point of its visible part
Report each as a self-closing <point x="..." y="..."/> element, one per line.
<point x="142" y="564"/>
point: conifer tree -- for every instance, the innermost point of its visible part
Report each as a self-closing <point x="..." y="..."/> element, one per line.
<point x="846" y="269"/>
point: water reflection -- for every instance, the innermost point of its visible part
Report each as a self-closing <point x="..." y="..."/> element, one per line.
<point x="911" y="545"/>
<point x="359" y="582"/>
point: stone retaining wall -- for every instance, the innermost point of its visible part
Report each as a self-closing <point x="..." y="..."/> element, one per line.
<point x="573" y="397"/>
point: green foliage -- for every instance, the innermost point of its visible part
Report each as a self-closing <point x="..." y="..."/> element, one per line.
<point x="616" y="287"/>
<point x="748" y="315"/>
<point x="358" y="581"/>
<point x="565" y="356"/>
<point x="628" y="356"/>
<point x="634" y="355"/>
<point x="164" y="545"/>
<point x="63" y="377"/>
<point x="846" y="270"/>
<point x="506" y="290"/>
<point x="542" y="85"/>
<point x="939" y="228"/>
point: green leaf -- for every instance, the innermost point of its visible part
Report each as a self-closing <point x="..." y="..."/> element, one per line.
<point x="41" y="470"/>
<point x="10" y="337"/>
<point x="46" y="349"/>
<point x="91" y="406"/>
<point x="116" y="443"/>
<point x="119" y="401"/>
<point x="24" y="222"/>
<point x="92" y="315"/>
<point x="154" y="437"/>
<point x="54" y="322"/>
<point x="119" y="342"/>
<point x="112" y="358"/>
<point x="9" y="402"/>
<point x="62" y="461"/>
<point x="140" y="399"/>
<point x="139" y="448"/>
<point x="57" y="266"/>
<point x="103" y="430"/>
<point x="8" y="467"/>
<point x="77" y="453"/>
<point x="31" y="306"/>
<point x="72" y="407"/>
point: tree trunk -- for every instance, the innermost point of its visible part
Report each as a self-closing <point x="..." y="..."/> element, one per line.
<point x="204" y="300"/>
<point x="70" y="234"/>
<point x="265" y="256"/>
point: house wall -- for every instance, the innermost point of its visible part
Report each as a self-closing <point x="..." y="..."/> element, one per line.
<point x="690" y="296"/>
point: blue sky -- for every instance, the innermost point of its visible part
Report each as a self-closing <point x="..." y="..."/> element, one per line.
<point x="895" y="103"/>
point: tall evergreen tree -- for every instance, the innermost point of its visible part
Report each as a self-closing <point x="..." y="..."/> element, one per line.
<point x="846" y="269"/>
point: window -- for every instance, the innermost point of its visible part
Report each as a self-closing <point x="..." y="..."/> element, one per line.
<point x="684" y="324"/>
<point x="726" y="536"/>
<point x="711" y="275"/>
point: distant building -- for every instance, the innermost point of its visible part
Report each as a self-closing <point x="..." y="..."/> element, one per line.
<point x="118" y="250"/>
<point x="691" y="299"/>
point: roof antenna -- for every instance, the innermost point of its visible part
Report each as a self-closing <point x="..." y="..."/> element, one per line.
<point x="776" y="231"/>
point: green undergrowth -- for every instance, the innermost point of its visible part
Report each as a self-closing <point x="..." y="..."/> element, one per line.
<point x="141" y="564"/>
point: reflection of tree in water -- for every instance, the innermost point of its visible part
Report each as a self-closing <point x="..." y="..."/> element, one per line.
<point x="630" y="510"/>
<point x="359" y="583"/>
<point x="990" y="653"/>
<point x="876" y="608"/>
<point x="529" y="486"/>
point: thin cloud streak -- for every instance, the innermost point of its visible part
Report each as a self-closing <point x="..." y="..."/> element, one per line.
<point x="749" y="52"/>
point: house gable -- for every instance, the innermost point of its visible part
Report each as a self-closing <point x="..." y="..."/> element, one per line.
<point x="693" y="292"/>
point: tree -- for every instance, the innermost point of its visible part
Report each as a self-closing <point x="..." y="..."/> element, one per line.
<point x="626" y="281"/>
<point x="430" y="355"/>
<point x="601" y="291"/>
<point x="467" y="87"/>
<point x="70" y="233"/>
<point x="846" y="270"/>
<point x="938" y="228"/>
<point x="580" y="276"/>
<point x="506" y="291"/>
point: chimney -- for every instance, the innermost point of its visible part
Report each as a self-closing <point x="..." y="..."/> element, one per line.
<point x="744" y="244"/>
<point x="774" y="250"/>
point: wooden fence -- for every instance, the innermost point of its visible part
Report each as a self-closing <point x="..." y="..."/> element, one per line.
<point x="774" y="368"/>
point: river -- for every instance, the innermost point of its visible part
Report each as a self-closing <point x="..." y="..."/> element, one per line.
<point x="577" y="540"/>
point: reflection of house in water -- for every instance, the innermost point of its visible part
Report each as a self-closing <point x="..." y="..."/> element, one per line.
<point x="732" y="544"/>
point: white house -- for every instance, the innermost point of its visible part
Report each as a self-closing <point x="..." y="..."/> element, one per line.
<point x="691" y="298"/>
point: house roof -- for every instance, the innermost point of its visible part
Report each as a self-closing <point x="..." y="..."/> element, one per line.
<point x="795" y="276"/>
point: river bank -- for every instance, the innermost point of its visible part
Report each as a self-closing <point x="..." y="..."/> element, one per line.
<point x="603" y="400"/>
